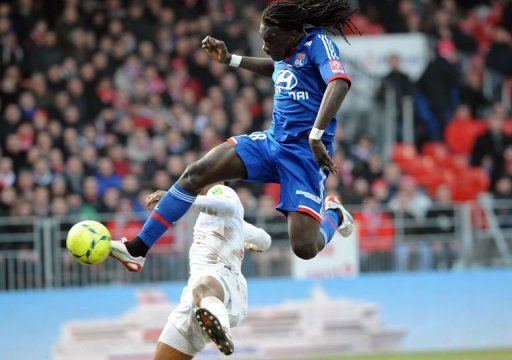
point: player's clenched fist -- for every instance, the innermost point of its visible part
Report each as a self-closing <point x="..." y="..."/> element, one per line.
<point x="217" y="49"/>
<point x="154" y="198"/>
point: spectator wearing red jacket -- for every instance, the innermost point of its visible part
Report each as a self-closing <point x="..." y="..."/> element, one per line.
<point x="376" y="234"/>
<point x="461" y="132"/>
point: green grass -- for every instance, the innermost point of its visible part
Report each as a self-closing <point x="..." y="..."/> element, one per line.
<point x="470" y="355"/>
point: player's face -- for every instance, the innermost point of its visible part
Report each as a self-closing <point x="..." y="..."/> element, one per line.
<point x="277" y="42"/>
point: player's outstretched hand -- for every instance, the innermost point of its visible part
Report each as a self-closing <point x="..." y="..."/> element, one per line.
<point x="217" y="49"/>
<point x="251" y="247"/>
<point x="321" y="155"/>
<point x="154" y="198"/>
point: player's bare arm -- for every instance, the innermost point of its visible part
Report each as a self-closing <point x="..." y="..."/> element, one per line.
<point x="331" y="102"/>
<point x="219" y="52"/>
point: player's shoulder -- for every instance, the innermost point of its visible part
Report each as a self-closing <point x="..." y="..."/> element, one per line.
<point x="318" y="41"/>
<point x="223" y="191"/>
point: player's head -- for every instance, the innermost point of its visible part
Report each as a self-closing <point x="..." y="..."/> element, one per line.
<point x="282" y="22"/>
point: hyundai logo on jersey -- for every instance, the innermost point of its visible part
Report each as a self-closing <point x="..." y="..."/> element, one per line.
<point x="285" y="80"/>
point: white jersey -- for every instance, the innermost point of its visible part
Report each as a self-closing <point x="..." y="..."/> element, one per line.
<point x="220" y="230"/>
<point x="220" y="235"/>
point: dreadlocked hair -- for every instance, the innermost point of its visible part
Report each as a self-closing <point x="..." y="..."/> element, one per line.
<point x="333" y="15"/>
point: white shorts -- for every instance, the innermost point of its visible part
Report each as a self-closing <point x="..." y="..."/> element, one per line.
<point x="182" y="331"/>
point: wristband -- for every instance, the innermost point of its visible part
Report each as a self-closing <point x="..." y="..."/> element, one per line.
<point x="316" y="134"/>
<point x="235" y="60"/>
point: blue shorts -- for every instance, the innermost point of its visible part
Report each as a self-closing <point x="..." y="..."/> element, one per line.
<point x="290" y="164"/>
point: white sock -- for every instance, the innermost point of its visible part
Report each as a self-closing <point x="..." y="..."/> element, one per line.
<point x="217" y="308"/>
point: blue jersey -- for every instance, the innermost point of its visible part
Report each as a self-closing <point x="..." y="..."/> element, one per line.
<point x="300" y="81"/>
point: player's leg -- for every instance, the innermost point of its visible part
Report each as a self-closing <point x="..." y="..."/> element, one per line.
<point x="311" y="225"/>
<point x="245" y="156"/>
<point x="305" y="237"/>
<point x="310" y="234"/>
<point x="221" y="163"/>
<point x="211" y="313"/>
<point x="166" y="352"/>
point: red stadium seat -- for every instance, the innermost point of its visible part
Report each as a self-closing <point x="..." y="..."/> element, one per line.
<point x="478" y="178"/>
<point x="404" y="155"/>
<point x="458" y="164"/>
<point x="460" y="135"/>
<point x="422" y="169"/>
<point x="474" y="182"/>
<point x="437" y="151"/>
<point x="441" y="177"/>
<point x="274" y="190"/>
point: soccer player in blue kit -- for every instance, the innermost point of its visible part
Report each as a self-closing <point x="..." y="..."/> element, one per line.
<point x="310" y="84"/>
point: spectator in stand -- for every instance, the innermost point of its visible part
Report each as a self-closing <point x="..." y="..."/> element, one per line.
<point x="360" y="190"/>
<point x="499" y="57"/>
<point x="380" y="191"/>
<point x="462" y="131"/>
<point x="472" y="93"/>
<point x="411" y="201"/>
<point x="441" y="216"/>
<point x="503" y="200"/>
<point x="506" y="17"/>
<point x="444" y="27"/>
<point x="439" y="85"/>
<point x="376" y="233"/>
<point x="396" y="84"/>
<point x="361" y="151"/>
<point x="7" y="174"/>
<point x="110" y="200"/>
<point x="106" y="177"/>
<point x="445" y="254"/>
<point x="8" y="198"/>
<point x="489" y="148"/>
<point x="392" y="175"/>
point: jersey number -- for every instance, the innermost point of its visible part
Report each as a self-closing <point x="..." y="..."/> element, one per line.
<point x="258" y="136"/>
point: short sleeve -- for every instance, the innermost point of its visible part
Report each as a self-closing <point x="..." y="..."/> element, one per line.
<point x="326" y="56"/>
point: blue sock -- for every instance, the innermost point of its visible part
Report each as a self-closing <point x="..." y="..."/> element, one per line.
<point x="329" y="225"/>
<point x="171" y="207"/>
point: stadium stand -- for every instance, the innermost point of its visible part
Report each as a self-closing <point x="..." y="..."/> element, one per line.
<point x="104" y="101"/>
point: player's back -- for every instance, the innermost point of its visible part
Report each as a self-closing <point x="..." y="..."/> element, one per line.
<point x="219" y="239"/>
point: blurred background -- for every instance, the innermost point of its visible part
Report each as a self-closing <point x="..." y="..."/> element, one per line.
<point x="103" y="102"/>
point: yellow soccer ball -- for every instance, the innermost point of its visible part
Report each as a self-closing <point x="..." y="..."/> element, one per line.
<point x="88" y="242"/>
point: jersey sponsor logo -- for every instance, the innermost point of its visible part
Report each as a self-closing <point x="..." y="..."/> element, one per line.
<point x="336" y="66"/>
<point x="285" y="80"/>
<point x="308" y="43"/>
<point x="309" y="196"/>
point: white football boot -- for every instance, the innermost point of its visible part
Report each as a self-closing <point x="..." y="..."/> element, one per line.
<point x="213" y="327"/>
<point x="119" y="252"/>
<point x="347" y="225"/>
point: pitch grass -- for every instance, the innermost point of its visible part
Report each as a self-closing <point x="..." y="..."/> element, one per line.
<point x="470" y="355"/>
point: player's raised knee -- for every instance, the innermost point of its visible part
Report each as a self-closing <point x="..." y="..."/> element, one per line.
<point x="207" y="286"/>
<point x="305" y="251"/>
<point x="193" y="176"/>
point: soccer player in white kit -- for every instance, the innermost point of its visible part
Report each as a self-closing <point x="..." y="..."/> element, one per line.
<point x="215" y="298"/>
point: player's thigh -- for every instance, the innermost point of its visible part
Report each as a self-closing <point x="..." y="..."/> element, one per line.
<point x="257" y="152"/>
<point x="166" y="352"/>
<point x="219" y="164"/>
<point x="303" y="230"/>
<point x="207" y="286"/>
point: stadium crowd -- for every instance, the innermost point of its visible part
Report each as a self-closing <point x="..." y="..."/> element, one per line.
<point x="103" y="102"/>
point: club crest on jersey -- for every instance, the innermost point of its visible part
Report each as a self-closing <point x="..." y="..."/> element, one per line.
<point x="299" y="60"/>
<point x="336" y="66"/>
